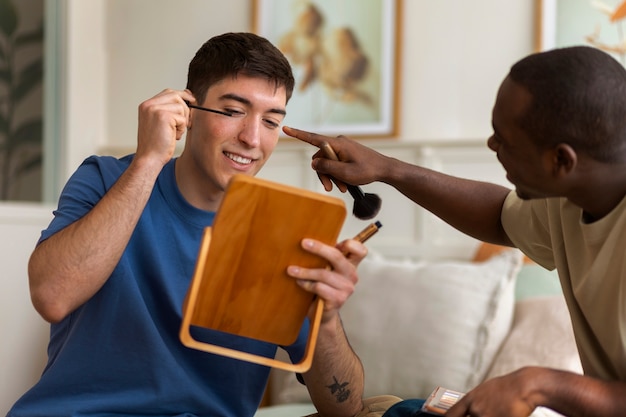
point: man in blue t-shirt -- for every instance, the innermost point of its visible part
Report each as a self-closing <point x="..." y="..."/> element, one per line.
<point x="112" y="270"/>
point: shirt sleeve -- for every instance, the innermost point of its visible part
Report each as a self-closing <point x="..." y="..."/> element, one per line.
<point x="526" y="223"/>
<point x="83" y="190"/>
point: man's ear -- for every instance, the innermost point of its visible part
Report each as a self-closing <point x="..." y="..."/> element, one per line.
<point x="564" y="159"/>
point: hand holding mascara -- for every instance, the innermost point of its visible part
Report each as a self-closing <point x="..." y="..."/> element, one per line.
<point x="369" y="231"/>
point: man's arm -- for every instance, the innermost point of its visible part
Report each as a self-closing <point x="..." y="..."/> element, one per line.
<point x="335" y="380"/>
<point x="519" y="393"/>
<point x="473" y="207"/>
<point x="72" y="265"/>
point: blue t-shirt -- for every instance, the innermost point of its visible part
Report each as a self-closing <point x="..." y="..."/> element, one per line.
<point x="119" y="354"/>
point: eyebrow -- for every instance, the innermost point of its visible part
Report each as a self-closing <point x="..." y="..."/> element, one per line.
<point x="243" y="100"/>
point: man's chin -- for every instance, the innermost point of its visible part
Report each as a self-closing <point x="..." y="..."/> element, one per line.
<point x="523" y="195"/>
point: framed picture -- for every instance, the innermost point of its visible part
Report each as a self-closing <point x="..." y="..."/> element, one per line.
<point x="345" y="58"/>
<point x="582" y="22"/>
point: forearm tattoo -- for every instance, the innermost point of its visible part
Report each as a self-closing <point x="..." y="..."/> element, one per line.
<point x="340" y="390"/>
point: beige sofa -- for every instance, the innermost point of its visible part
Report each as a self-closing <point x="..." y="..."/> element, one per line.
<point x="420" y="324"/>
<point x="415" y="324"/>
<point x="25" y="334"/>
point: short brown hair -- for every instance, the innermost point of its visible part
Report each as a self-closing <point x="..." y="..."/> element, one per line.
<point x="231" y="54"/>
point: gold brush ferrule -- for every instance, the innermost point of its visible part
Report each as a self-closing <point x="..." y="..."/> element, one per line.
<point x="368" y="232"/>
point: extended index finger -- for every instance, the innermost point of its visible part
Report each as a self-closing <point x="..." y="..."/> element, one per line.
<point x="309" y="137"/>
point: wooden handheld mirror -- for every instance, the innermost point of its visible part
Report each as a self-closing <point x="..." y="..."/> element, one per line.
<point x="240" y="284"/>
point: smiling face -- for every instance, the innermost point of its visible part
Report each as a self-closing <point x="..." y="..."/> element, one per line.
<point x="219" y="146"/>
<point x="527" y="165"/>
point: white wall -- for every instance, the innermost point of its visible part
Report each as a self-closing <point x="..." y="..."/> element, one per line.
<point x="455" y="55"/>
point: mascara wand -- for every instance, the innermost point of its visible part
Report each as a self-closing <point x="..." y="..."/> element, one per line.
<point x="366" y="205"/>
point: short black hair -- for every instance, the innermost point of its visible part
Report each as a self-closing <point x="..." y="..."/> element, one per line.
<point x="578" y="97"/>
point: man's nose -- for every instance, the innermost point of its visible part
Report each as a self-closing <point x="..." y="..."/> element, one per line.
<point x="250" y="133"/>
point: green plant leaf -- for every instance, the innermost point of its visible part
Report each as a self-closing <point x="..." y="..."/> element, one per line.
<point x="26" y="165"/>
<point x="27" y="134"/>
<point x="27" y="38"/>
<point x="28" y="78"/>
<point x="8" y="17"/>
<point x="5" y="75"/>
<point x="4" y="124"/>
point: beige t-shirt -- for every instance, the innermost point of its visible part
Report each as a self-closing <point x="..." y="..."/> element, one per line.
<point x="591" y="262"/>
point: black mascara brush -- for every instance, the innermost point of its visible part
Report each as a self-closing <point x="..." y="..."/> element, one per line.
<point x="223" y="113"/>
<point x="366" y="205"/>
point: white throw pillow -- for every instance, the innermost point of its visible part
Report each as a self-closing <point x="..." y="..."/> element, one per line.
<point x="541" y="335"/>
<point x="417" y="325"/>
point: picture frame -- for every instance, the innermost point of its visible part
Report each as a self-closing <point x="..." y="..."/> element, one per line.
<point x="345" y="58"/>
<point x="562" y="23"/>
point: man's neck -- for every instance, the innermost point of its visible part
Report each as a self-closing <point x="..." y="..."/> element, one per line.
<point x="201" y="197"/>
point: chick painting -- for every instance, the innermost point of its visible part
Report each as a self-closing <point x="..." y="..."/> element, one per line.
<point x="302" y="43"/>
<point x="330" y="56"/>
<point x="343" y="65"/>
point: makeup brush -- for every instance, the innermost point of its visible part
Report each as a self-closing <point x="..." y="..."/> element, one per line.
<point x="366" y="205"/>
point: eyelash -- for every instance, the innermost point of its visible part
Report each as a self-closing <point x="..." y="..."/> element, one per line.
<point x="272" y="124"/>
<point x="233" y="113"/>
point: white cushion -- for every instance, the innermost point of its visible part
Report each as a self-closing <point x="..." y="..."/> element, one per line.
<point x="541" y="335"/>
<point x="417" y="325"/>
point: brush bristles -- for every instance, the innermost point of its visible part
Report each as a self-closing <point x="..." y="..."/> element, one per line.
<point x="367" y="207"/>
